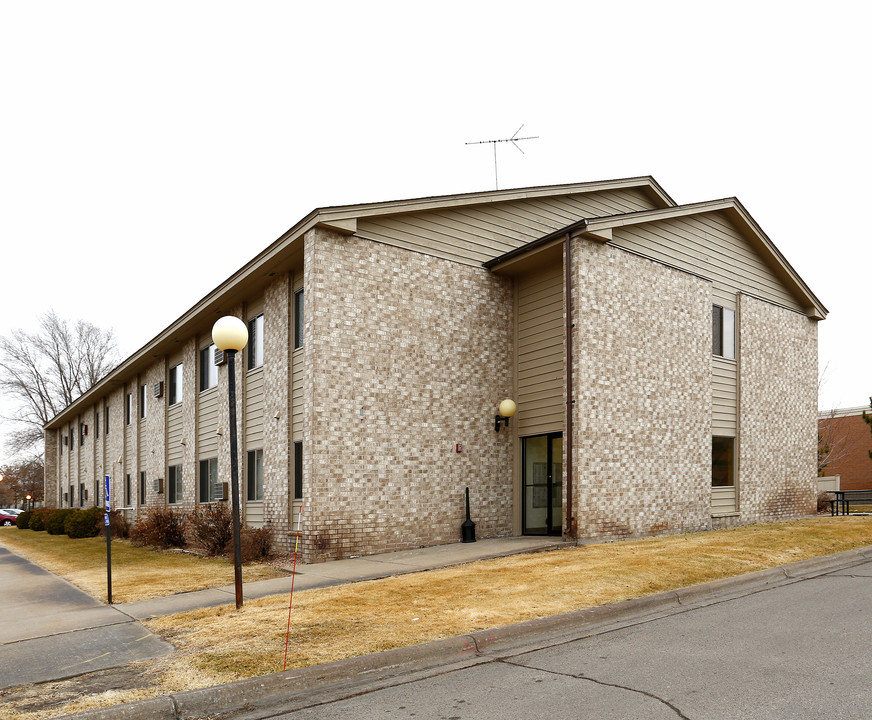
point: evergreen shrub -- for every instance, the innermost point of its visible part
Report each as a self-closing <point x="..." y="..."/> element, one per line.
<point x="23" y="520"/>
<point x="54" y="523"/>
<point x="84" y="523"/>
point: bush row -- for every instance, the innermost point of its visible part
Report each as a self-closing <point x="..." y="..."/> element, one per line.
<point x="59" y="521"/>
<point x="207" y="528"/>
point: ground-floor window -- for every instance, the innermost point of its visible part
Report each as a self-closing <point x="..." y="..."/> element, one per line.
<point x="128" y="491"/>
<point x="82" y="494"/>
<point x="255" y="475"/>
<point x="174" y="485"/>
<point x="298" y="470"/>
<point x="142" y="488"/>
<point x="209" y="491"/>
<point x="723" y="462"/>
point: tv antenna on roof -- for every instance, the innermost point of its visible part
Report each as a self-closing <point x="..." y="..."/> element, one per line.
<point x="514" y="140"/>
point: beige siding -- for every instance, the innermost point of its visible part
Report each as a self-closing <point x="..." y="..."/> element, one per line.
<point x="207" y="424"/>
<point x="724" y="397"/>
<point x="711" y="246"/>
<point x="297" y="367"/>
<point x="254" y="407"/>
<point x="474" y="234"/>
<point x="539" y="370"/>
<point x="724" y="500"/>
<point x="254" y="513"/>
<point x="175" y="434"/>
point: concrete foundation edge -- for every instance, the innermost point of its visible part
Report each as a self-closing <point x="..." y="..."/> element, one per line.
<point x="579" y="624"/>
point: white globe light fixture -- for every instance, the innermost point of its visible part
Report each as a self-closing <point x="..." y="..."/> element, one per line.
<point x="507" y="409"/>
<point x="230" y="335"/>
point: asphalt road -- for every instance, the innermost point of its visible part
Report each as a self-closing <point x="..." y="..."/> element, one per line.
<point x="799" y="650"/>
<point x="49" y="629"/>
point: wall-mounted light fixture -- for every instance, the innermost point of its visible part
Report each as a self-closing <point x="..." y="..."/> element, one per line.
<point x="507" y="409"/>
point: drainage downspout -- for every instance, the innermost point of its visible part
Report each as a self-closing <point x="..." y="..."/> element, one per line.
<point x="571" y="527"/>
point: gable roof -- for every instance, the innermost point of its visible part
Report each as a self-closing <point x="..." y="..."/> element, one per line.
<point x="601" y="229"/>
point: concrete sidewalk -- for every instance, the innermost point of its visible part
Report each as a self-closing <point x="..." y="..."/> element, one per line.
<point x="49" y="629"/>
<point x="338" y="572"/>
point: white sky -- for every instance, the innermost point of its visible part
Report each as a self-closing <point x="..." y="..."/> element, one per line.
<point x="150" y="149"/>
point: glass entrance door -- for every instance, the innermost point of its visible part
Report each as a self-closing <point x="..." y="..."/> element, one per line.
<point x="543" y="484"/>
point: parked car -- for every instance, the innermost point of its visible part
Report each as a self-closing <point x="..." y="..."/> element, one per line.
<point x="10" y="511"/>
<point x="7" y="518"/>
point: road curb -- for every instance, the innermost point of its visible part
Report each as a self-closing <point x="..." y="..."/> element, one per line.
<point x="378" y="666"/>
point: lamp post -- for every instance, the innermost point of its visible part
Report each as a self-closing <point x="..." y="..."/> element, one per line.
<point x="231" y="335"/>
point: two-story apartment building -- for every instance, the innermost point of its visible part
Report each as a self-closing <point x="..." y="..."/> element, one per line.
<point x="663" y="359"/>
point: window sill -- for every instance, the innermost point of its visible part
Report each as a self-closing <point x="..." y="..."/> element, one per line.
<point x="723" y="515"/>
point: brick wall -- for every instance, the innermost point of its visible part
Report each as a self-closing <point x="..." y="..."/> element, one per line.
<point x="642" y="379"/>
<point x="411" y="356"/>
<point x="777" y="412"/>
<point x="850" y="441"/>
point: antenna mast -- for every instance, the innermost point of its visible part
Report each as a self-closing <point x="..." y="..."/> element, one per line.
<point x="514" y="140"/>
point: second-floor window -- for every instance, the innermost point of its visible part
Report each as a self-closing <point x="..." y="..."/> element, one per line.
<point x="143" y="400"/>
<point x="255" y="342"/>
<point x="298" y="319"/>
<point x="208" y="368"/>
<point x="175" y="390"/>
<point x="723" y="332"/>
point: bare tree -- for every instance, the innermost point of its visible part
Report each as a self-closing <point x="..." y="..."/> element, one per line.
<point x="20" y="480"/>
<point x="43" y="372"/>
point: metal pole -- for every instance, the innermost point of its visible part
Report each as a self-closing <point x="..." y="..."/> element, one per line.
<point x="107" y="524"/>
<point x="234" y="477"/>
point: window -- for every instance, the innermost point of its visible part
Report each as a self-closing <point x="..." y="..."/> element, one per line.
<point x="174" y="487"/>
<point x="82" y="494"/>
<point x="209" y="480"/>
<point x="62" y="439"/>
<point x="82" y="430"/>
<point x="208" y="368"/>
<point x="96" y="424"/>
<point x="255" y="342"/>
<point x="106" y="423"/>
<point x="175" y="396"/>
<point x="142" y="488"/>
<point x="722" y="462"/>
<point x="128" y="487"/>
<point x="143" y="401"/>
<point x="255" y="475"/>
<point x="72" y="496"/>
<point x="128" y="413"/>
<point x="723" y="332"/>
<point x="298" y="470"/>
<point x="298" y="319"/>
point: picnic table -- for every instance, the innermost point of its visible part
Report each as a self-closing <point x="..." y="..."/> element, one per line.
<point x="841" y="504"/>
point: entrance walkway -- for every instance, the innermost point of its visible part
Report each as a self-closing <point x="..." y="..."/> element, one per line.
<point x="337" y="572"/>
<point x="50" y="629"/>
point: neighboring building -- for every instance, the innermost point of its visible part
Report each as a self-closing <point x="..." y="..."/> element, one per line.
<point x="849" y="441"/>
<point x="385" y="335"/>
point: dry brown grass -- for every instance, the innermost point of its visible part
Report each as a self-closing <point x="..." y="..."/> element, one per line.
<point x="218" y="645"/>
<point x="138" y="573"/>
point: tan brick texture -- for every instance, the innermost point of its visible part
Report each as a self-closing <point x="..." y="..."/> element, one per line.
<point x="411" y="355"/>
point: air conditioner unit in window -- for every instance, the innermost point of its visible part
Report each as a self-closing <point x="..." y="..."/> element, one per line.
<point x="220" y="357"/>
<point x="158" y="389"/>
<point x="221" y="491"/>
<point x="158" y="485"/>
